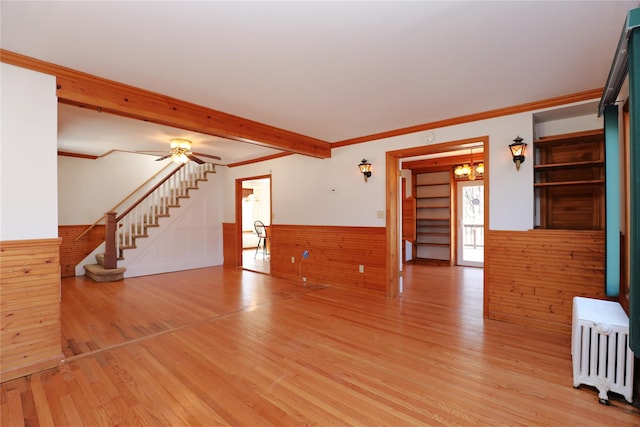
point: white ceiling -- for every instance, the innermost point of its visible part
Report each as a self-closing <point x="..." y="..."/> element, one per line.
<point x="329" y="70"/>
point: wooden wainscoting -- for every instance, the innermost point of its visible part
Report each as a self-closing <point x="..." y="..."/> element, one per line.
<point x="532" y="276"/>
<point x="30" y="306"/>
<point x="335" y="253"/>
<point x="73" y="252"/>
<point x="229" y="244"/>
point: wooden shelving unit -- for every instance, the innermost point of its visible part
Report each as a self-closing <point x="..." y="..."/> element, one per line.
<point x="569" y="181"/>
<point x="433" y="212"/>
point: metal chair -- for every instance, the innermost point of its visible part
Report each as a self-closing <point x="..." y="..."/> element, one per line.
<point x="261" y="231"/>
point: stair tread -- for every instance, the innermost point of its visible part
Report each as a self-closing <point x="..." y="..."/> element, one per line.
<point x="99" y="274"/>
<point x="100" y="270"/>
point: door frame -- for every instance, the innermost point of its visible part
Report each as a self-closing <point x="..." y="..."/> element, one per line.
<point x="392" y="172"/>
<point x="238" y="232"/>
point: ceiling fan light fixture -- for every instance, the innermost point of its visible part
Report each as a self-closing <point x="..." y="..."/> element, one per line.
<point x="179" y="158"/>
<point x="181" y="143"/>
<point x="180" y="150"/>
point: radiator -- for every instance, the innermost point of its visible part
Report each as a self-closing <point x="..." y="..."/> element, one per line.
<point x="600" y="348"/>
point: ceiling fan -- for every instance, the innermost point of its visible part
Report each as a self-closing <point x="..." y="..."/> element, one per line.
<point x="181" y="152"/>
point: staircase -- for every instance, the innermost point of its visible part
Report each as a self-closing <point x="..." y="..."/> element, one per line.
<point x="143" y="214"/>
<point x="99" y="274"/>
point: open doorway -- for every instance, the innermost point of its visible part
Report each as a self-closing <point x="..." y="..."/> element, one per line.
<point x="395" y="161"/>
<point x="254" y="218"/>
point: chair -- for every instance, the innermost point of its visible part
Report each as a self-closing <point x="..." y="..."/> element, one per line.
<point x="261" y="230"/>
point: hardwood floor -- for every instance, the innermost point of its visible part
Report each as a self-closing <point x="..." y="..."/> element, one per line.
<point x="258" y="262"/>
<point x="221" y="346"/>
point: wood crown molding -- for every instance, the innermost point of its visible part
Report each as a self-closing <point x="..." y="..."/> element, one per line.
<point x="88" y="91"/>
<point x="521" y="108"/>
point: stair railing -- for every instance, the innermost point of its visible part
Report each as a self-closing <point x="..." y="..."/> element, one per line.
<point x="122" y="202"/>
<point x="123" y="229"/>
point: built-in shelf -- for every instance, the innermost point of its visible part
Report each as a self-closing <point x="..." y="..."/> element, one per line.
<point x="427" y="244"/>
<point x="569" y="181"/>
<point x="432" y="191"/>
<point x="570" y="165"/>
<point x="565" y="183"/>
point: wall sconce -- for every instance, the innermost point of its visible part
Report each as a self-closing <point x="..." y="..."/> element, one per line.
<point x="365" y="168"/>
<point x="518" y="149"/>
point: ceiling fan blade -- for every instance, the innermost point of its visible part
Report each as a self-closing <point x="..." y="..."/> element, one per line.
<point x="195" y="159"/>
<point x="163" y="157"/>
<point x="208" y="155"/>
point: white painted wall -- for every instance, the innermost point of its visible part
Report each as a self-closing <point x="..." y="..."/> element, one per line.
<point x="569" y="125"/>
<point x="89" y="188"/>
<point x="302" y="186"/>
<point x="302" y="189"/>
<point x="28" y="149"/>
<point x="190" y="238"/>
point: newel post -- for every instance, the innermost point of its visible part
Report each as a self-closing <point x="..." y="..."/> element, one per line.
<point x="110" y="251"/>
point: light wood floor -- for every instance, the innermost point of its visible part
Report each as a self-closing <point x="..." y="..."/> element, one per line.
<point x="220" y="346"/>
<point x="258" y="262"/>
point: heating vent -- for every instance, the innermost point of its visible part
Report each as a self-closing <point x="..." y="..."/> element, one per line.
<point x="600" y="348"/>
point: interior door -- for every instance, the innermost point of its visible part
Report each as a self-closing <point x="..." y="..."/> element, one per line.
<point x="470" y="216"/>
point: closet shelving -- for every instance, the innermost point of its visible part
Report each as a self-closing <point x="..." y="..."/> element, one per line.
<point x="433" y="213"/>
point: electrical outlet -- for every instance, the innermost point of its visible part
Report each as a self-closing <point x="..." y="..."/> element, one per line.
<point x="293" y="260"/>
<point x="380" y="214"/>
<point x="361" y="268"/>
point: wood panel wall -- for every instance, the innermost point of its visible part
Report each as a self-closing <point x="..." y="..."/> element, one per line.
<point x="73" y="252"/>
<point x="29" y="307"/>
<point x="532" y="276"/>
<point x="229" y="244"/>
<point x="335" y="254"/>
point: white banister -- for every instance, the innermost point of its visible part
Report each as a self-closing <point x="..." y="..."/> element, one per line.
<point x="146" y="212"/>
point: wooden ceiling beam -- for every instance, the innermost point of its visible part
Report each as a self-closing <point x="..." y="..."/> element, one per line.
<point x="88" y="91"/>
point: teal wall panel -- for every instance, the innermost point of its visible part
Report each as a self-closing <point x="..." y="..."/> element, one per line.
<point x="613" y="203"/>
<point x="634" y="190"/>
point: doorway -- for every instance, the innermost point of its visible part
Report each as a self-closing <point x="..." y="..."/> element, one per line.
<point x="470" y="223"/>
<point x="393" y="201"/>
<point x="253" y="215"/>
